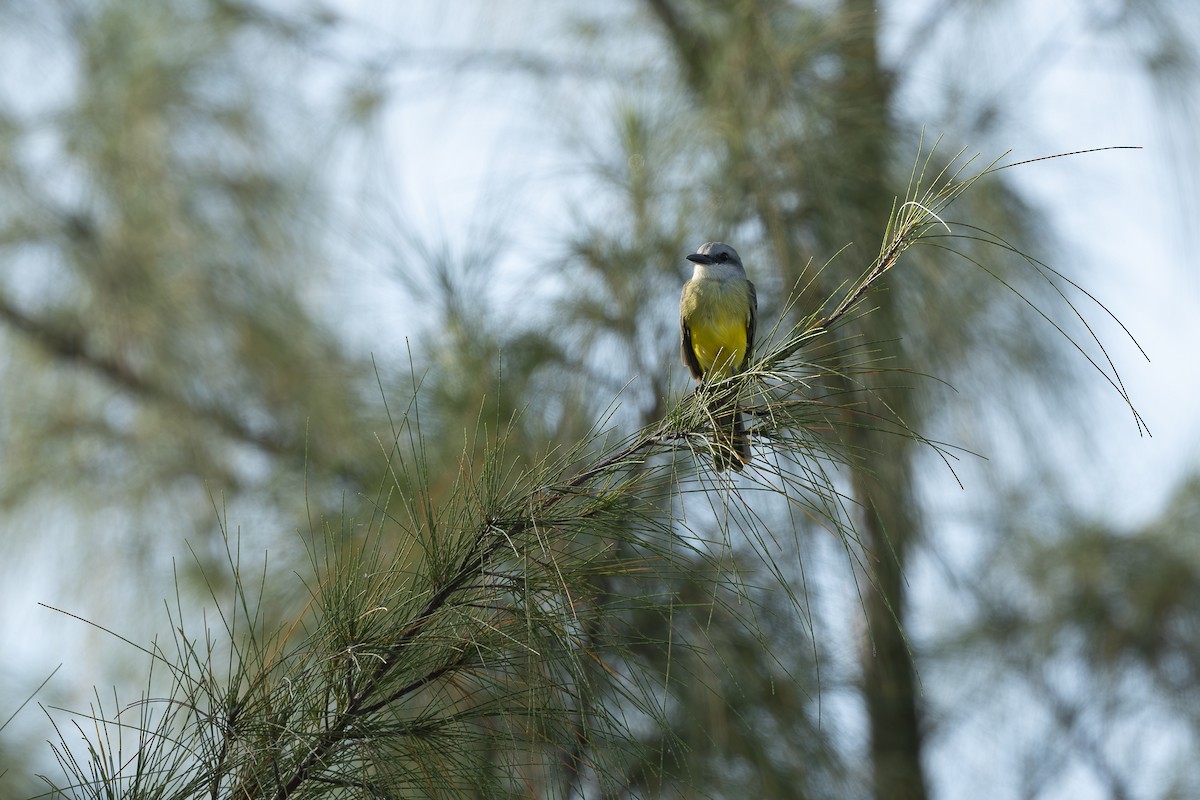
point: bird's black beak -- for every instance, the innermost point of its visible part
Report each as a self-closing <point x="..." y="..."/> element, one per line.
<point x="700" y="258"/>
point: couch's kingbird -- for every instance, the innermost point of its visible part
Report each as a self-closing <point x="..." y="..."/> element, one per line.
<point x="717" y="316"/>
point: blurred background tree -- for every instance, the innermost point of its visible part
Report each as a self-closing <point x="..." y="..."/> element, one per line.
<point x="210" y="270"/>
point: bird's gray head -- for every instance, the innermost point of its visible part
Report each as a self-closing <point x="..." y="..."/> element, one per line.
<point x="718" y="260"/>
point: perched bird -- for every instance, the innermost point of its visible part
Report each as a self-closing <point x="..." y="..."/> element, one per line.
<point x="717" y="316"/>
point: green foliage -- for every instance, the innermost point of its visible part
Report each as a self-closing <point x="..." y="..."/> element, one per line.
<point x="158" y="251"/>
<point x="494" y="642"/>
<point x="534" y="586"/>
<point x="511" y="632"/>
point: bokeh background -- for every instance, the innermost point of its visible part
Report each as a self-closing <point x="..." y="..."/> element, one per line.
<point x="230" y="230"/>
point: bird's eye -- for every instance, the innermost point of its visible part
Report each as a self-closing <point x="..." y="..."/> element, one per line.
<point x="723" y="257"/>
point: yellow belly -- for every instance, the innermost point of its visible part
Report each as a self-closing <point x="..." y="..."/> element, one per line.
<point x="717" y="314"/>
<point x="720" y="347"/>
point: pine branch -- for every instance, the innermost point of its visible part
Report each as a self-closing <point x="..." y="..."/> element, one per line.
<point x="359" y="707"/>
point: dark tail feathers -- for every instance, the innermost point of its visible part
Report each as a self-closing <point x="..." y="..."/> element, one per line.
<point x="731" y="441"/>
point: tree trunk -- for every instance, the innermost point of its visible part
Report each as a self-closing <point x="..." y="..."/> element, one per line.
<point x="883" y="484"/>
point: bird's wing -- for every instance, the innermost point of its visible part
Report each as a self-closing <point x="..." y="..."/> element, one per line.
<point x="685" y="349"/>
<point x="751" y="325"/>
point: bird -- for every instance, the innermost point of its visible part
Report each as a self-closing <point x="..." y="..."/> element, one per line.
<point x="718" y="313"/>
